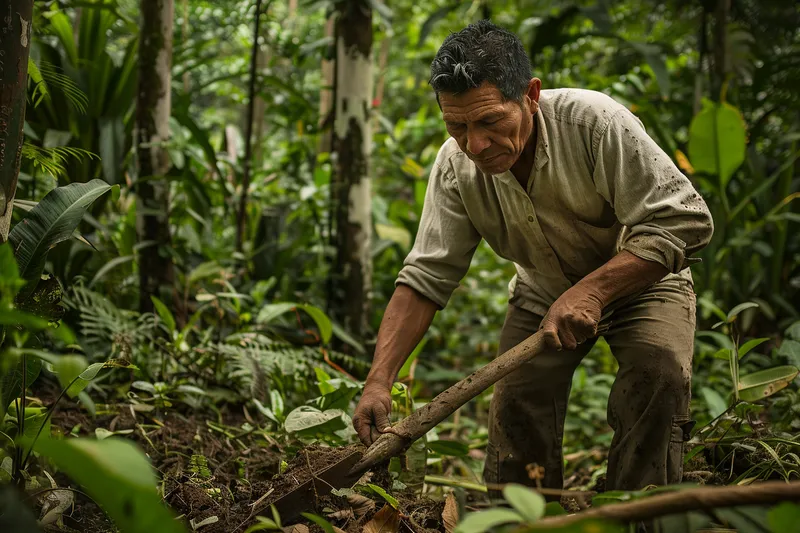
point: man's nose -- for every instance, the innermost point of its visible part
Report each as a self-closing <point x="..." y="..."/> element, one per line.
<point x="477" y="142"/>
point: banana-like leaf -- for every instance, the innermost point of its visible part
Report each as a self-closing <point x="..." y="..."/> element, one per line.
<point x="52" y="221"/>
<point x="759" y="385"/>
<point x="118" y="476"/>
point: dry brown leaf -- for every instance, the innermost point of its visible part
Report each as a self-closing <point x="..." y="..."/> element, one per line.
<point x="387" y="520"/>
<point x="344" y="514"/>
<point x="337" y="530"/>
<point x="361" y="504"/>
<point x="450" y="513"/>
<point x="297" y="528"/>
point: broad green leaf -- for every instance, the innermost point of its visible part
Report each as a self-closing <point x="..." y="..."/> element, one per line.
<point x="733" y="313"/>
<point x="68" y="368"/>
<point x="484" y="520"/>
<point x="309" y="421"/>
<point x="164" y="313"/>
<point x="62" y="27"/>
<point x="448" y="447"/>
<point x="52" y="221"/>
<point x="406" y="368"/>
<point x="723" y="341"/>
<point x="529" y="504"/>
<point x="722" y="353"/>
<point x="117" y="475"/>
<point x="391" y="500"/>
<point x="339" y="398"/>
<point x="716" y="403"/>
<point x="554" y="509"/>
<point x="322" y="381"/>
<point x="322" y="320"/>
<point x="717" y="140"/>
<point x="764" y="383"/>
<point x="793" y="331"/>
<point x="339" y="332"/>
<point x="11" y="382"/>
<point x="91" y="372"/>
<point x="276" y="402"/>
<point x="271" y="311"/>
<point x="744" y="519"/>
<point x="749" y="345"/>
<point x="784" y="518"/>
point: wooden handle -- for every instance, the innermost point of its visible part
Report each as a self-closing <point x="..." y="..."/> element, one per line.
<point x="448" y="401"/>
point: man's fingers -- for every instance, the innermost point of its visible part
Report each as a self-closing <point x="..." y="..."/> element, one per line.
<point x="381" y="420"/>
<point x="362" y="430"/>
<point x="551" y="336"/>
<point x="567" y="339"/>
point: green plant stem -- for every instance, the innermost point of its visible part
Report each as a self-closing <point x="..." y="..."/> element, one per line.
<point x="18" y="463"/>
<point x="449" y="482"/>
<point x="47" y="418"/>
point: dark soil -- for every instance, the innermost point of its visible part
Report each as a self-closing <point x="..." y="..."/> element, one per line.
<point x="242" y="468"/>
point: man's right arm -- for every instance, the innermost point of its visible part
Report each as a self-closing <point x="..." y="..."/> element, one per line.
<point x="406" y="319"/>
<point x="439" y="259"/>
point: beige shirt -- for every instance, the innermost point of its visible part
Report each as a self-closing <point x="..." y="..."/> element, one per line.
<point x="599" y="185"/>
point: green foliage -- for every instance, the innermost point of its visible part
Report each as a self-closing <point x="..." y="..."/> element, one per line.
<point x="116" y="474"/>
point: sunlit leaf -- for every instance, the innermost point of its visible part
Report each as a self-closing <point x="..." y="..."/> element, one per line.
<point x="164" y="313"/>
<point x="717" y="140"/>
<point x="309" y="421"/>
<point x="764" y="383"/>
<point x="117" y="475"/>
<point x="749" y="345"/>
<point x="736" y="311"/>
<point x="527" y="503"/>
<point x="484" y="520"/>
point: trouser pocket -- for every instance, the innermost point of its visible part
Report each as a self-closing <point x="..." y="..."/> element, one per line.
<point x="681" y="430"/>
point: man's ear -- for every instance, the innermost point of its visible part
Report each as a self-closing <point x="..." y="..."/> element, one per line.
<point x="534" y="89"/>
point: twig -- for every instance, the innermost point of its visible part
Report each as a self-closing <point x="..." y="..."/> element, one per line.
<point x="704" y="498"/>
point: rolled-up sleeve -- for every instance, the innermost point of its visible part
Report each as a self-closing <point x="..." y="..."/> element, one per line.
<point x="446" y="240"/>
<point x="667" y="219"/>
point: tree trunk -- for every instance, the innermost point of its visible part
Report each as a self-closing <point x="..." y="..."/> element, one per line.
<point x="241" y="219"/>
<point x="156" y="271"/>
<point x="326" y="93"/>
<point x="352" y="139"/>
<point x="15" y="48"/>
<point x="721" y="60"/>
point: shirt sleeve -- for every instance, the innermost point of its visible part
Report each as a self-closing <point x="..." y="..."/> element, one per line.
<point x="446" y="240"/>
<point x="668" y="220"/>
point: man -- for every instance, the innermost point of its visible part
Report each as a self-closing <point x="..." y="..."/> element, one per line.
<point x="600" y="225"/>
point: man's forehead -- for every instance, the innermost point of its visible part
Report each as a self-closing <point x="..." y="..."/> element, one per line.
<point x="478" y="101"/>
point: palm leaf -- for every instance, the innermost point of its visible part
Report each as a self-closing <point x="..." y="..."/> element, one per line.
<point x="53" y="220"/>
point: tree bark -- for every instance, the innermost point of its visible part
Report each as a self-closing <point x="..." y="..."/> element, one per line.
<point x="352" y="140"/>
<point x="153" y="104"/>
<point x="15" y="39"/>
<point x="241" y="218"/>
<point x="721" y="60"/>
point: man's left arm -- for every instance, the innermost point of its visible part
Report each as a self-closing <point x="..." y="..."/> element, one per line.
<point x="667" y="218"/>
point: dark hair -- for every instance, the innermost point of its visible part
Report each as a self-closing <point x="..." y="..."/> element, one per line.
<point x="481" y="52"/>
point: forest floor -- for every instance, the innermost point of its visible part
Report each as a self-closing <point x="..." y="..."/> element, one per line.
<point x="219" y="477"/>
<point x="210" y="468"/>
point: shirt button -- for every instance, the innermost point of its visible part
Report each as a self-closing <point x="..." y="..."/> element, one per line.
<point x="530" y="218"/>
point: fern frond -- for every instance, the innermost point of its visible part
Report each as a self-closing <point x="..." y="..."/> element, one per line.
<point x="107" y="329"/>
<point x="52" y="160"/>
<point x="39" y="85"/>
<point x="54" y="79"/>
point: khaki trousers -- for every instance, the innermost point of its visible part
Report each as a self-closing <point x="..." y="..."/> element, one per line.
<point x="652" y="337"/>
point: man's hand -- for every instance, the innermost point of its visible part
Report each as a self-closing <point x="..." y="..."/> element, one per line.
<point x="573" y="318"/>
<point x="372" y="412"/>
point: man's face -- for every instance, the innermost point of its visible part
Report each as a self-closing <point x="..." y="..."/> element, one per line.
<point x="491" y="132"/>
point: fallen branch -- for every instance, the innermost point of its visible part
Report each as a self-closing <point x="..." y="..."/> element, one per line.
<point x="703" y="498"/>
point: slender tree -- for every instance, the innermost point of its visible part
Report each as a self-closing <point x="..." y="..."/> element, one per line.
<point x="15" y="39"/>
<point x="241" y="218"/>
<point x="153" y="104"/>
<point x="352" y="140"/>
